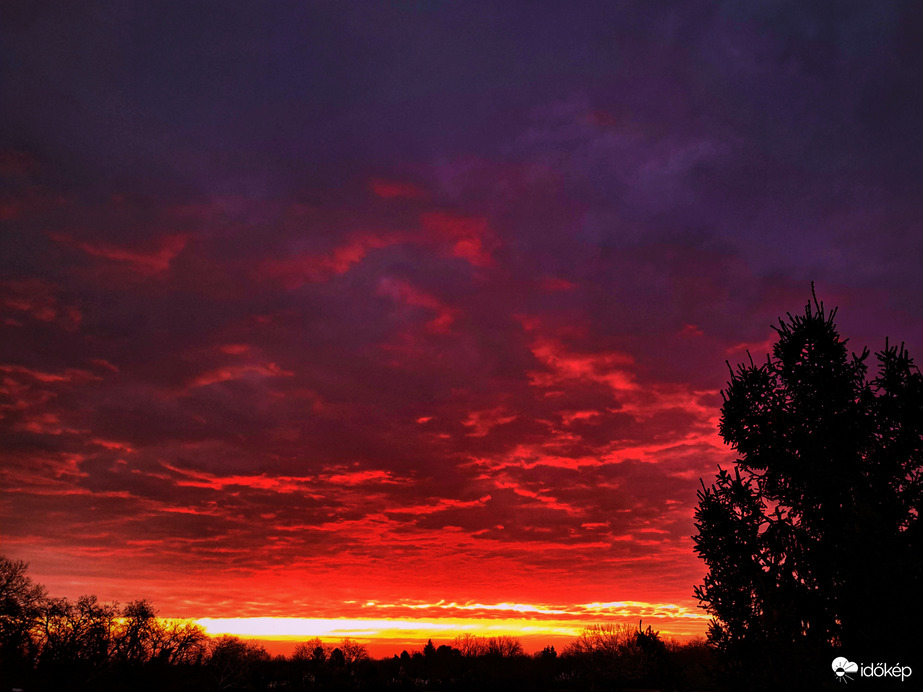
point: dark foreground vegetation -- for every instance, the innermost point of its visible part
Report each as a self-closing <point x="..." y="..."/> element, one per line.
<point x="58" y="644"/>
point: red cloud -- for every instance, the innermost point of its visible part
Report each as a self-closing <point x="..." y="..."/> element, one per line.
<point x="71" y="375"/>
<point x="237" y="372"/>
<point x="404" y="292"/>
<point x="147" y="263"/>
<point x="481" y="422"/>
<point x="469" y="237"/>
<point x="39" y="299"/>
<point x="393" y="189"/>
<point x="361" y="477"/>
<point x="29" y="398"/>
<point x="294" y="272"/>
<point x="613" y="369"/>
<point x="552" y="284"/>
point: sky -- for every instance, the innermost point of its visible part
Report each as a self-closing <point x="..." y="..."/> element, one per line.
<point x="409" y="318"/>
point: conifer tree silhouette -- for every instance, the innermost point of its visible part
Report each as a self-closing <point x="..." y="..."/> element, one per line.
<point x="813" y="541"/>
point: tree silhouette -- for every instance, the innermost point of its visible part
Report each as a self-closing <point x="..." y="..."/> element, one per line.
<point x="139" y="632"/>
<point x="21" y="602"/>
<point x="312" y="650"/>
<point x="813" y="543"/>
<point x="337" y="659"/>
<point x="470" y="645"/>
<point x="353" y="652"/>
<point x="234" y="663"/>
<point x="504" y="646"/>
<point x="613" y="654"/>
<point x="179" y="642"/>
<point x="77" y="632"/>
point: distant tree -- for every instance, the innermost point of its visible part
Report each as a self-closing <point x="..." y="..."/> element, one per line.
<point x="504" y="646"/>
<point x="58" y="643"/>
<point x="547" y="667"/>
<point x="312" y="650"/>
<point x="606" y="655"/>
<point x="353" y="651"/>
<point x="234" y="663"/>
<point x="21" y="604"/>
<point x="814" y="543"/>
<point x="469" y="645"/>
<point x="657" y="666"/>
<point x="547" y="654"/>
<point x="81" y="631"/>
<point x="138" y="633"/>
<point x="430" y="649"/>
<point x="337" y="659"/>
<point x="602" y="639"/>
<point x="179" y="642"/>
<point x="446" y="651"/>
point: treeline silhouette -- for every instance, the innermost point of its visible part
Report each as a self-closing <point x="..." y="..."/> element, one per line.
<point x="59" y="644"/>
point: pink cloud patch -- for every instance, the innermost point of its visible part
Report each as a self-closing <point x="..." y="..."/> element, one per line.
<point x="294" y="272"/>
<point x="146" y="262"/>
<point x="40" y="300"/>
<point x="613" y="368"/>
<point x="406" y="293"/>
<point x="395" y="189"/>
<point x="234" y="349"/>
<point x="552" y="284"/>
<point x="237" y="372"/>
<point x="468" y="237"/>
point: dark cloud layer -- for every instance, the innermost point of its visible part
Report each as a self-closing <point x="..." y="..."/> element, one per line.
<point x="341" y="295"/>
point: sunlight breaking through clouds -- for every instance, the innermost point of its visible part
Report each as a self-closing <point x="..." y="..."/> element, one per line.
<point x="447" y="620"/>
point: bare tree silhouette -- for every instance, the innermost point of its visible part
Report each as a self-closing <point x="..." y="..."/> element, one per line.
<point x="21" y="602"/>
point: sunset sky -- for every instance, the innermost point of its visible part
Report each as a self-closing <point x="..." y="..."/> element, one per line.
<point x="404" y="319"/>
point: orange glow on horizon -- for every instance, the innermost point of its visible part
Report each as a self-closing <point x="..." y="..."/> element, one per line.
<point x="537" y="626"/>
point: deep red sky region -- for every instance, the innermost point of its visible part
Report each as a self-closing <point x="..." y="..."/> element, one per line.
<point x="409" y="319"/>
